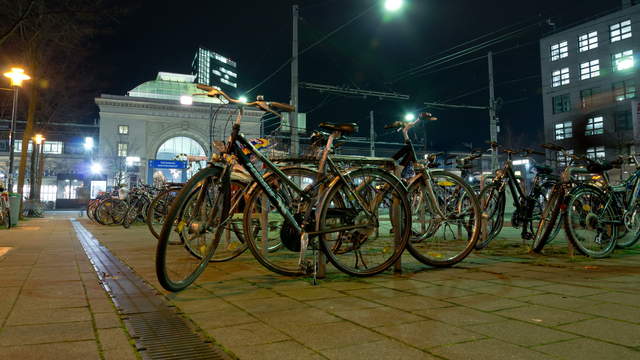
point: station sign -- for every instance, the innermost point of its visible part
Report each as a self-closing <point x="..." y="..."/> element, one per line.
<point x="167" y="164"/>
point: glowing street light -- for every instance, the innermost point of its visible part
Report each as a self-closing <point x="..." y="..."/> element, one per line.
<point x="16" y="77"/>
<point x="96" y="168"/>
<point x="243" y="99"/>
<point x="38" y="139"/>
<point x="393" y="5"/>
<point x="409" y="117"/>
<point x="88" y="143"/>
<point x="186" y="100"/>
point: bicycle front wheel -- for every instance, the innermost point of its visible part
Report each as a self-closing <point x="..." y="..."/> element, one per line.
<point x="492" y="202"/>
<point x="364" y="224"/>
<point x="590" y="222"/>
<point x="632" y="225"/>
<point x="194" y="224"/>
<point x="446" y="219"/>
<point x="159" y="209"/>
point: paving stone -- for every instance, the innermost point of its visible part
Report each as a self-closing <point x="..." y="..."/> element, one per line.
<point x="296" y="319"/>
<point x="617" y="297"/>
<point x="348" y="284"/>
<point x="428" y="333"/>
<point x="613" y="311"/>
<point x="311" y="294"/>
<point x="247" y="334"/>
<point x="507" y="291"/>
<point x="570" y="290"/>
<point x="404" y="284"/>
<point x="465" y="284"/>
<point x="442" y="292"/>
<point x="486" y="302"/>
<point x="558" y="301"/>
<point x="195" y="306"/>
<point x="221" y="318"/>
<point x="377" y="316"/>
<point x="38" y="334"/>
<point x="269" y="304"/>
<point x="374" y="293"/>
<point x="107" y="320"/>
<point x="342" y="303"/>
<point x="605" y="329"/>
<point x="335" y="335"/>
<point x="520" y="333"/>
<point x="489" y="349"/>
<point x="412" y="302"/>
<point x="114" y="339"/>
<point x="8" y="297"/>
<point x="587" y="349"/>
<point x="79" y="350"/>
<point x="386" y="349"/>
<point x="47" y="316"/>
<point x="459" y="316"/>
<point x="284" y="350"/>
<point x="543" y="315"/>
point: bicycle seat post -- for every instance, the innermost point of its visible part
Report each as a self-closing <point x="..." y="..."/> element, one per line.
<point x="327" y="149"/>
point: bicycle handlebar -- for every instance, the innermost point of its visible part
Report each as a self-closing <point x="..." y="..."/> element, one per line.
<point x="260" y="103"/>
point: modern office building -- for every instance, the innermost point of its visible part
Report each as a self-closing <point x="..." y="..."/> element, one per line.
<point x="213" y="69"/>
<point x="160" y="120"/>
<point x="590" y="82"/>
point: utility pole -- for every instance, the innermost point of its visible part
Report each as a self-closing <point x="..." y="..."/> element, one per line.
<point x="493" y="122"/>
<point x="293" y="116"/>
<point x="372" y="135"/>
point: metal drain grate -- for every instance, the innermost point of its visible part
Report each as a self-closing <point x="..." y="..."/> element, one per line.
<point x="159" y="332"/>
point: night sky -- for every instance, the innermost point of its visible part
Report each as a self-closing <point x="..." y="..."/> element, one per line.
<point x="368" y="54"/>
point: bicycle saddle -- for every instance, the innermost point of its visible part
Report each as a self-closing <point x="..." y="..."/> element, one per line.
<point x="543" y="169"/>
<point x="343" y="128"/>
<point x="599" y="168"/>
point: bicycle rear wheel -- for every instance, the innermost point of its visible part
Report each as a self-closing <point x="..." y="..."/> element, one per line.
<point x="193" y="224"/>
<point x="159" y="209"/>
<point x="590" y="222"/>
<point x="365" y="235"/>
<point x="492" y="202"/>
<point x="273" y="241"/>
<point x="549" y="219"/>
<point x="453" y="221"/>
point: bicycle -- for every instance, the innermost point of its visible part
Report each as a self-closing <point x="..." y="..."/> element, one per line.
<point x="446" y="212"/>
<point x="5" y="212"/>
<point x="592" y="214"/>
<point x="337" y="212"/>
<point x="528" y="207"/>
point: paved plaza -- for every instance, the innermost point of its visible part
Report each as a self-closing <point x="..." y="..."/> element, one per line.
<point x="501" y="303"/>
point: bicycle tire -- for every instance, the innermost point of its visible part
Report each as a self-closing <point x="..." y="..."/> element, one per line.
<point x="460" y="206"/>
<point x="198" y="221"/>
<point x="375" y="187"/>
<point x="549" y="220"/>
<point x="494" y="213"/>
<point x="579" y="213"/>
<point x="266" y="246"/>
<point x="104" y="209"/>
<point x="632" y="223"/>
<point x="131" y="215"/>
<point x="159" y="208"/>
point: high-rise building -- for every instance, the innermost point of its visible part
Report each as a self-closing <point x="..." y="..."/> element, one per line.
<point x="590" y="82"/>
<point x="215" y="70"/>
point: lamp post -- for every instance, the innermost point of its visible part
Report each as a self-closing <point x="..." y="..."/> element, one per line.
<point x="40" y="166"/>
<point x="16" y="76"/>
<point x="35" y="152"/>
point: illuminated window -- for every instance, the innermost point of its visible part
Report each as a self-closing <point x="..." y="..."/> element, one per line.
<point x="562" y="160"/>
<point x="559" y="51"/>
<point x="48" y="192"/>
<point x="596" y="153"/>
<point x="620" y="31"/>
<point x="587" y="97"/>
<point x="123" y="129"/>
<point x="122" y="149"/>
<point x="52" y="147"/>
<point x="622" y="61"/>
<point x="624" y="90"/>
<point x="623" y="120"/>
<point x="560" y="77"/>
<point x="17" y="146"/>
<point x="561" y="103"/>
<point x="588" y="41"/>
<point x="595" y="126"/>
<point x="564" y="130"/>
<point x="590" y="69"/>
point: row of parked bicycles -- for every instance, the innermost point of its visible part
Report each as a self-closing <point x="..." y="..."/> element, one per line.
<point x="362" y="213"/>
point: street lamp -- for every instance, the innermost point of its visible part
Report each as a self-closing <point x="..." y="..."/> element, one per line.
<point x="88" y="143"/>
<point x="409" y="117"/>
<point x="96" y="168"/>
<point x="393" y="5"/>
<point x="243" y="99"/>
<point x="186" y="100"/>
<point x="16" y="76"/>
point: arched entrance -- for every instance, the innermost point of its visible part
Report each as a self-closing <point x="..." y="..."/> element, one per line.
<point x="174" y="149"/>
